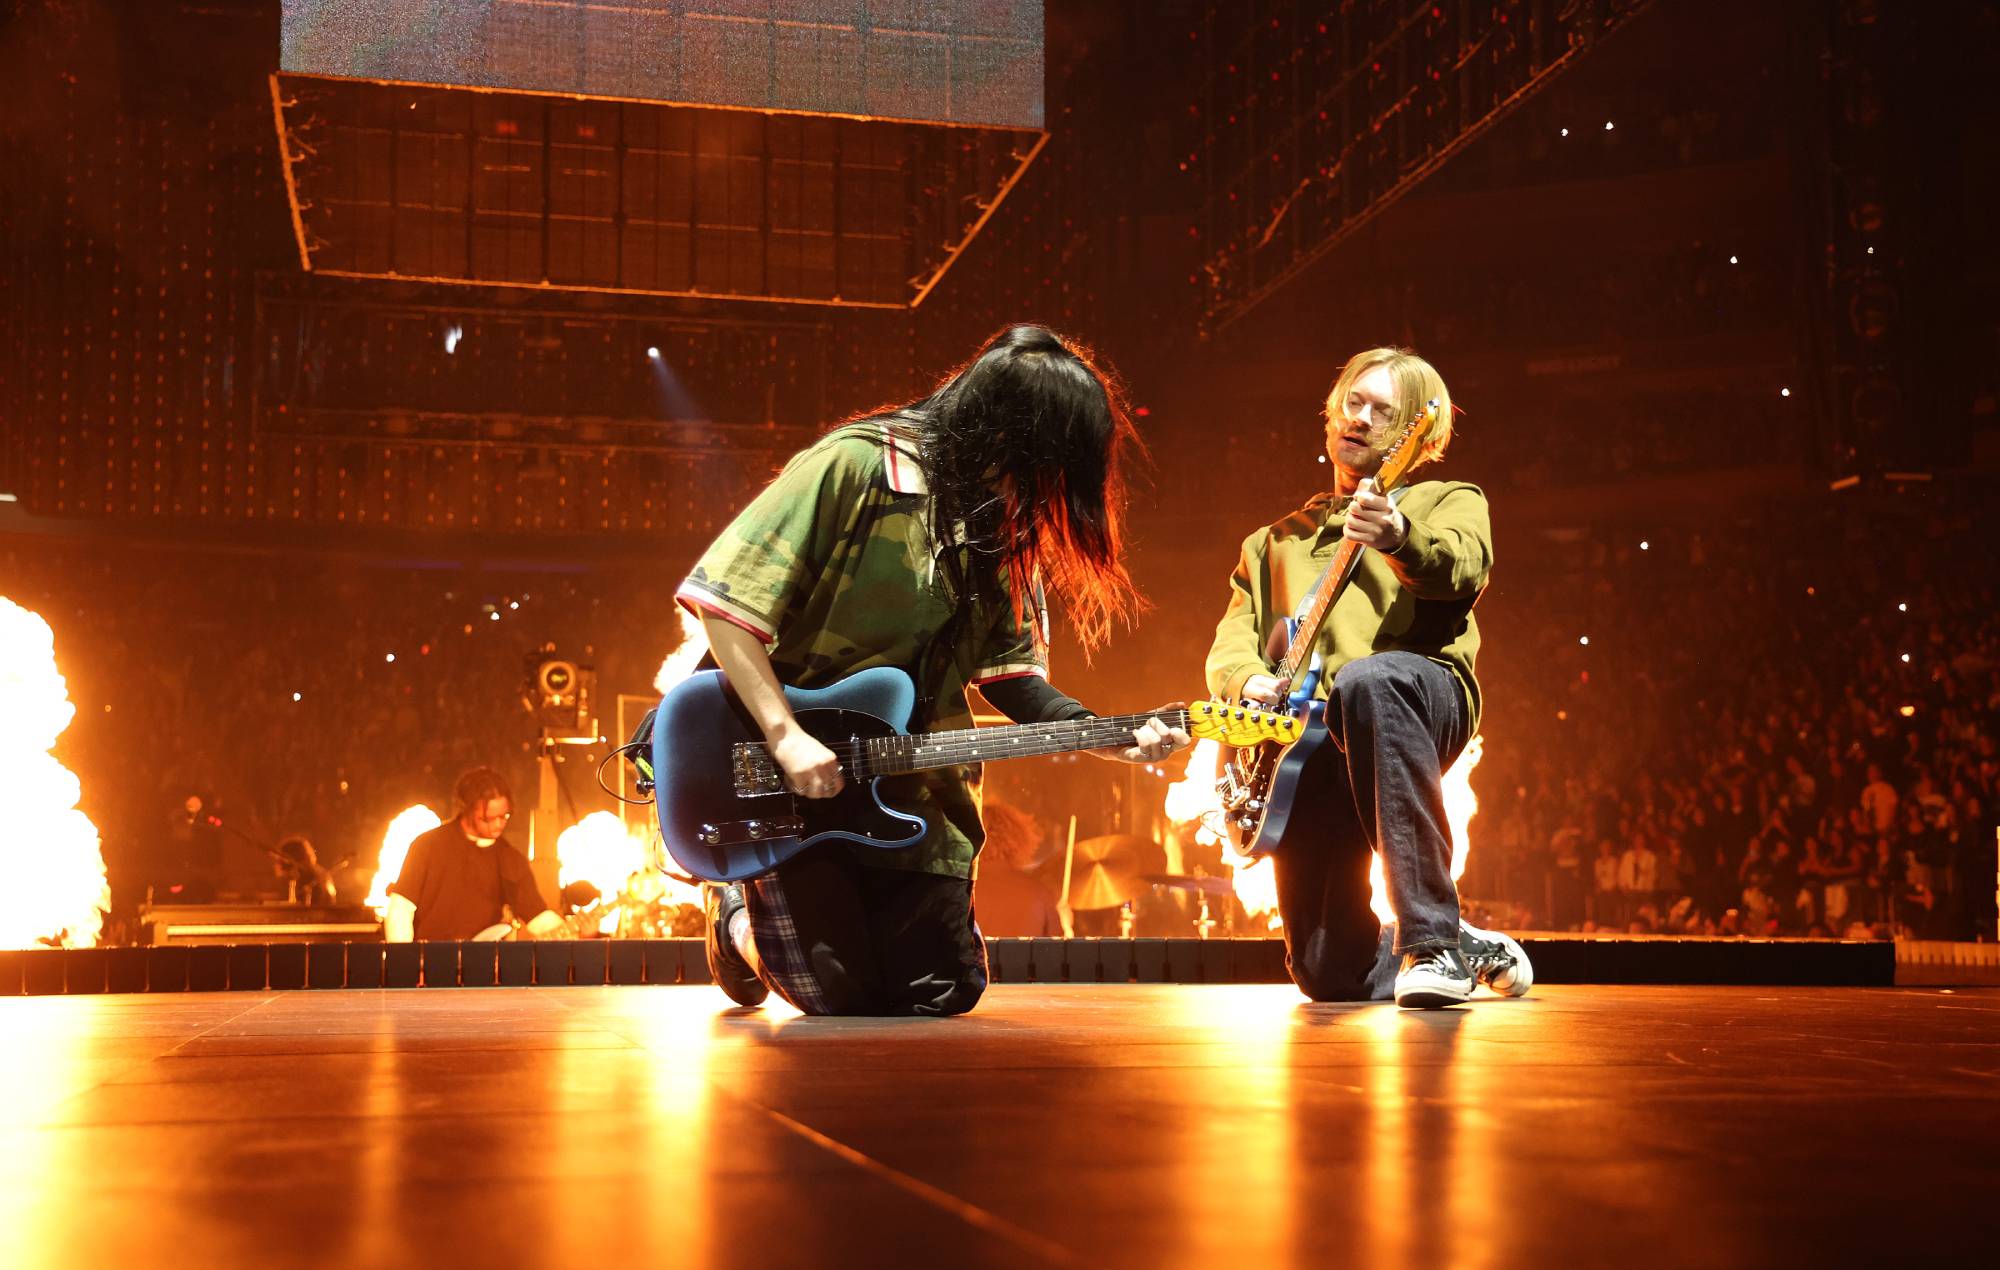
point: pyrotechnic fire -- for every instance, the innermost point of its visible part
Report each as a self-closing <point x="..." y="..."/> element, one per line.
<point x="1193" y="798"/>
<point x="681" y="662"/>
<point x="54" y="891"/>
<point x="619" y="862"/>
<point x="396" y="840"/>
<point x="597" y="850"/>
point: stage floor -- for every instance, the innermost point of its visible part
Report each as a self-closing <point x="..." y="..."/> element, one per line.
<point x="1135" y="1125"/>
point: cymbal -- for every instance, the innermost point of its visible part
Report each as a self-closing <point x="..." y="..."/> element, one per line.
<point x="1208" y="886"/>
<point x="1112" y="869"/>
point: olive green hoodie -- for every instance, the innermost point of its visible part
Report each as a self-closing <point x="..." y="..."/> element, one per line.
<point x="1417" y="598"/>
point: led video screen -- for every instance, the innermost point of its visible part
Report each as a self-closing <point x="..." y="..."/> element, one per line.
<point x="939" y="61"/>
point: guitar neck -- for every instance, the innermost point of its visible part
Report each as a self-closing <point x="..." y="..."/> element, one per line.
<point x="1298" y="653"/>
<point x="895" y="755"/>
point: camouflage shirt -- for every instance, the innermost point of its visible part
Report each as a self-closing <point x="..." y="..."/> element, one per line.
<point x="834" y="568"/>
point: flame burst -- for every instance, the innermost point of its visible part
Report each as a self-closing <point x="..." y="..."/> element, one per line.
<point x="619" y="862"/>
<point x="56" y="891"/>
<point x="681" y="662"/>
<point x="396" y="840"/>
<point x="1193" y="800"/>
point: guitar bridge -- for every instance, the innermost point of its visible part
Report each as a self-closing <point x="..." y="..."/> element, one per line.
<point x="731" y="832"/>
<point x="755" y="774"/>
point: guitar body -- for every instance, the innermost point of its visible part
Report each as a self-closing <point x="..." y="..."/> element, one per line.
<point x="1263" y="789"/>
<point x="718" y="835"/>
<point x="1285" y="779"/>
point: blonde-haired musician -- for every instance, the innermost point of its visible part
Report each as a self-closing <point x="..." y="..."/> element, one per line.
<point x="1396" y="655"/>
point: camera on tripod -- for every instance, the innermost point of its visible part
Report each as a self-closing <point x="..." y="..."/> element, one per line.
<point x="558" y="694"/>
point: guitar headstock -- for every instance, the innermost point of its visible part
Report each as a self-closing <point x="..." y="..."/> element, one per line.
<point x="1239" y="726"/>
<point x="1409" y="445"/>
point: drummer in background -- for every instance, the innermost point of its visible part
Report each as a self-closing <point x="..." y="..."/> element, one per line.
<point x="1007" y="897"/>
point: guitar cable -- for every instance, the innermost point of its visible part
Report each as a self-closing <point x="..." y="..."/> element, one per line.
<point x="635" y="752"/>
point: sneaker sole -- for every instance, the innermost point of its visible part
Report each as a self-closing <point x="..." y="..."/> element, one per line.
<point x="1522" y="977"/>
<point x="731" y="973"/>
<point x="1431" y="992"/>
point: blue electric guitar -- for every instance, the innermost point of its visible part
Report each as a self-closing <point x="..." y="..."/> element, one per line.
<point x="1259" y="783"/>
<point x="725" y="814"/>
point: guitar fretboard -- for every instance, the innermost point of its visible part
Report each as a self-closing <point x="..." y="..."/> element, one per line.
<point x="864" y="758"/>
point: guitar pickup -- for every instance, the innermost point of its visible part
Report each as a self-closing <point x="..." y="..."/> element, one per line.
<point x="731" y="832"/>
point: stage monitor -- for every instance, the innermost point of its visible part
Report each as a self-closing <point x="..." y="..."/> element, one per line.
<point x="976" y="62"/>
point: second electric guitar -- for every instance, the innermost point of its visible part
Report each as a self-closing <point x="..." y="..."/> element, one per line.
<point x="1258" y="783"/>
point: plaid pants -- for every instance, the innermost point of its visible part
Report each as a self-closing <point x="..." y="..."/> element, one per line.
<point x="834" y="936"/>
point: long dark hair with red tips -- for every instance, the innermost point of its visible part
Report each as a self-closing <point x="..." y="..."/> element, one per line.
<point x="1024" y="450"/>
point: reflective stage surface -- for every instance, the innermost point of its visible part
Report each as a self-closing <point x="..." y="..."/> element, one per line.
<point x="1135" y="1125"/>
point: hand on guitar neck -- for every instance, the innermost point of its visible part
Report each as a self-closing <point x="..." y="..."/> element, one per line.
<point x="1152" y="740"/>
<point x="1372" y="519"/>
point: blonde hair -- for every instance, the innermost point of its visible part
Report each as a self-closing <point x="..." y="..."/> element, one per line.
<point x="1416" y="380"/>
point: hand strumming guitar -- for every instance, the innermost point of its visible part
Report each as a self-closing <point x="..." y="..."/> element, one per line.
<point x="810" y="769"/>
<point x="1262" y="689"/>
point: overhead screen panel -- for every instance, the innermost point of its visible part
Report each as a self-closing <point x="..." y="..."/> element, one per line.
<point x="975" y="62"/>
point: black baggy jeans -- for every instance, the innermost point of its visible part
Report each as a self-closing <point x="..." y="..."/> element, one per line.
<point x="1400" y="719"/>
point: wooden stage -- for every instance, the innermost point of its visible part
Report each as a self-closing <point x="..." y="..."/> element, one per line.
<point x="1114" y="1125"/>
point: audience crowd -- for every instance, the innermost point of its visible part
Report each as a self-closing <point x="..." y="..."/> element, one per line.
<point x="1792" y="734"/>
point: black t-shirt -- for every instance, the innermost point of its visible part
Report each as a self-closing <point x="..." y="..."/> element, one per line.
<point x="458" y="886"/>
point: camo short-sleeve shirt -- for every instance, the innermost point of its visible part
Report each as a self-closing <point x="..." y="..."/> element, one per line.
<point x="833" y="567"/>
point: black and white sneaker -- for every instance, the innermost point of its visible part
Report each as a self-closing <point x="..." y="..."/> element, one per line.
<point x="725" y="962"/>
<point x="1432" y="978"/>
<point x="1496" y="960"/>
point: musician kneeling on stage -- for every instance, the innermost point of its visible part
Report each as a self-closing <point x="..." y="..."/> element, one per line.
<point x="462" y="880"/>
<point x="1396" y="655"/>
<point x="919" y="538"/>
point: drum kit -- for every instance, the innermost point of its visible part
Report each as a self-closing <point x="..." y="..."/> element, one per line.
<point x="1119" y="884"/>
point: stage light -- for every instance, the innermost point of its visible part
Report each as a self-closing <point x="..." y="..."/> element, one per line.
<point x="495" y="616"/>
<point x="1906" y="711"/>
<point x="452" y="335"/>
<point x="514" y="605"/>
<point x="1607" y="125"/>
<point x="390" y="658"/>
<point x="653" y="352"/>
<point x="1732" y="260"/>
<point x="1906" y="659"/>
<point x="1784" y="392"/>
<point x="1322" y="458"/>
<point x="295" y="696"/>
<point x="1583" y="639"/>
<point x="1902" y="608"/>
<point x="1565" y="132"/>
<point x="1871" y="251"/>
<point x="1562" y="714"/>
<point x="1644" y="545"/>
